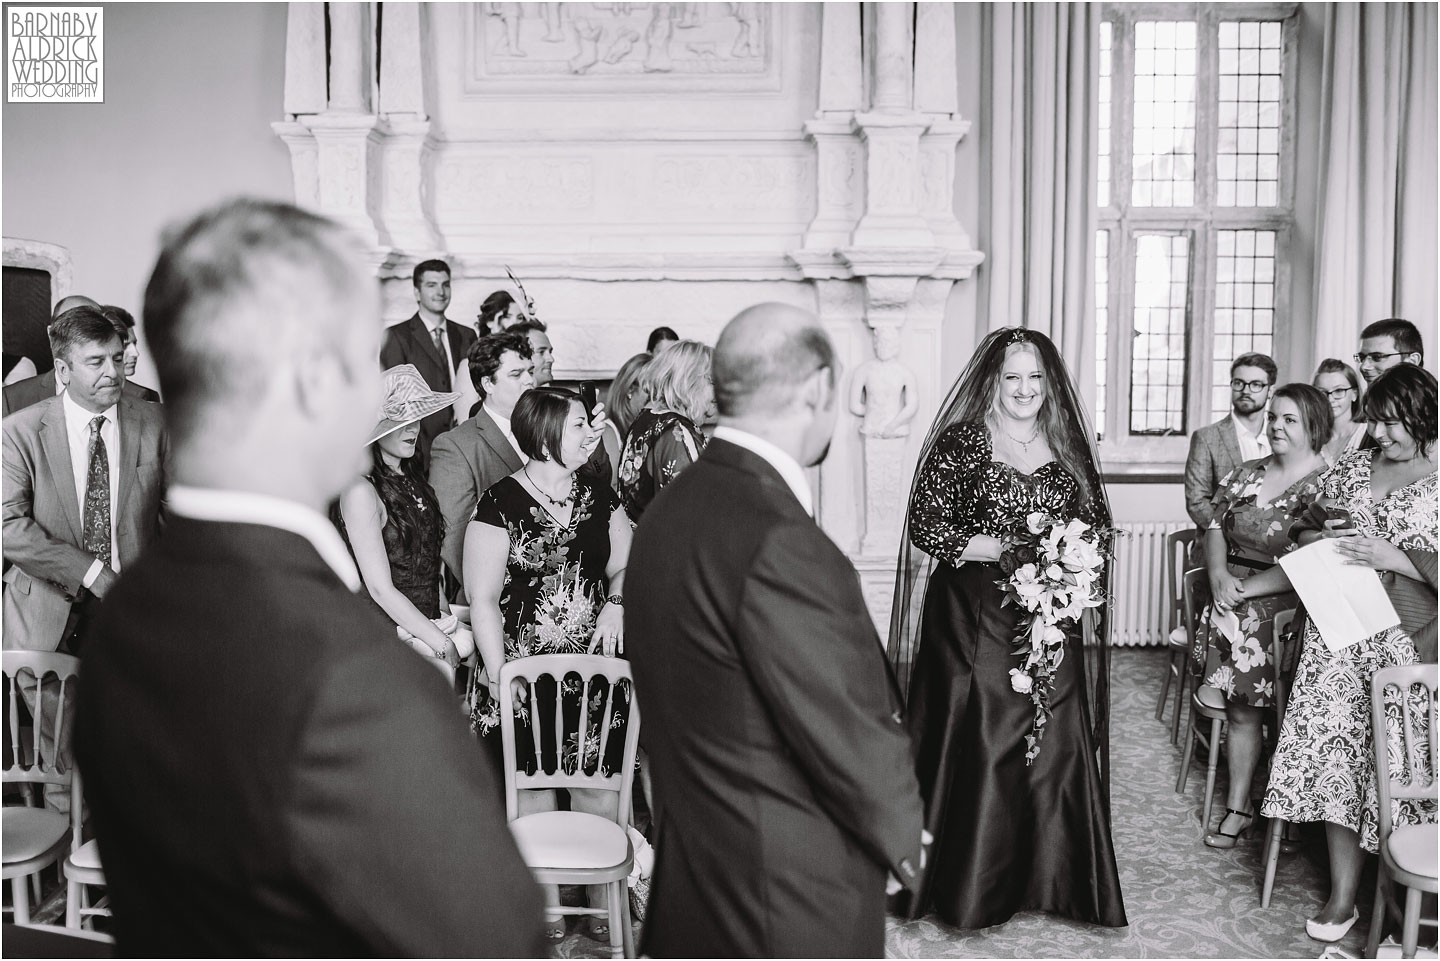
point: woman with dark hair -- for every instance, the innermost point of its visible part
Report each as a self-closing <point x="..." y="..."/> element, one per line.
<point x="623" y="403"/>
<point x="1249" y="530"/>
<point x="1011" y="439"/>
<point x="660" y="338"/>
<point x="544" y="569"/>
<point x="665" y="437"/>
<point x="1381" y="506"/>
<point x="497" y="313"/>
<point x="393" y="526"/>
<point x="1340" y="384"/>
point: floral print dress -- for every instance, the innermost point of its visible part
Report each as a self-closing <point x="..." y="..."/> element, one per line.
<point x="1255" y="536"/>
<point x="1323" y="768"/>
<point x="661" y="444"/>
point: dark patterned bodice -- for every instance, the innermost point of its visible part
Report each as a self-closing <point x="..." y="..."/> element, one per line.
<point x="414" y="570"/>
<point x="962" y="491"/>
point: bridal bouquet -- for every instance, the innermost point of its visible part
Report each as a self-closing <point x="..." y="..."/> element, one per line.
<point x="1053" y="572"/>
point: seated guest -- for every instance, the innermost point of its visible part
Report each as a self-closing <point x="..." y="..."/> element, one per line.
<point x="665" y="437"/>
<point x="623" y="402"/>
<point x="1249" y="530"/>
<point x="465" y="461"/>
<point x="660" y="338"/>
<point x="1380" y="506"/>
<point x="1337" y="381"/>
<point x="1386" y="344"/>
<point x="392" y="524"/>
<point x="125" y="323"/>
<point x="543" y="538"/>
<point x="32" y="390"/>
<point x="268" y="772"/>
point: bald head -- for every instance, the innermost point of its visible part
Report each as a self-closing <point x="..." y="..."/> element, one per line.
<point x="74" y="300"/>
<point x="763" y="356"/>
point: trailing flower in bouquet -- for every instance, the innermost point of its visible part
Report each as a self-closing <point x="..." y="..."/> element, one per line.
<point x="1053" y="573"/>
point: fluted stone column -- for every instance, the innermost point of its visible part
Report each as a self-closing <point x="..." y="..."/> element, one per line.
<point x="405" y="131"/>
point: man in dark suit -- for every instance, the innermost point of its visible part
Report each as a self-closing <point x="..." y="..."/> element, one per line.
<point x="435" y="345"/>
<point x="84" y="474"/>
<point x="783" y="777"/>
<point x="465" y="461"/>
<point x="268" y="770"/>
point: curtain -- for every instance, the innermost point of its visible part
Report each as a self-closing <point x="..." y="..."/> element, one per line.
<point x="1038" y="219"/>
<point x="1376" y="239"/>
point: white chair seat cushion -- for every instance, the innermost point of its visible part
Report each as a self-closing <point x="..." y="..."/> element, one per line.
<point x="1413" y="849"/>
<point x="30" y="832"/>
<point x="88" y="856"/>
<point x="1178" y="638"/>
<point x="569" y="839"/>
<point x="1210" y="697"/>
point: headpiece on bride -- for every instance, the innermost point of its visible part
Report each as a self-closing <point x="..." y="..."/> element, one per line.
<point x="1067" y="431"/>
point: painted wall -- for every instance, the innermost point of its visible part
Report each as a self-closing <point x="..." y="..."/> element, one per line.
<point x="190" y="92"/>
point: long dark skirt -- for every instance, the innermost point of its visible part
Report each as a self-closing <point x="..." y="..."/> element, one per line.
<point x="1008" y="837"/>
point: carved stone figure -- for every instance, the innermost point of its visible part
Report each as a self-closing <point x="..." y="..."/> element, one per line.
<point x="588" y="35"/>
<point x="747" y="42"/>
<point x="657" y="38"/>
<point x="550" y="13"/>
<point x="509" y="15"/>
<point x="624" y="43"/>
<point x="882" y="391"/>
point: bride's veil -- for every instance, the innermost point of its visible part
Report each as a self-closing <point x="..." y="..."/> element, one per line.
<point x="968" y="401"/>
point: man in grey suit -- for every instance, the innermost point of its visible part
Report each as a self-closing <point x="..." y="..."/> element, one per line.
<point x="31" y="390"/>
<point x="465" y="461"/>
<point x="1226" y="444"/>
<point x="84" y="475"/>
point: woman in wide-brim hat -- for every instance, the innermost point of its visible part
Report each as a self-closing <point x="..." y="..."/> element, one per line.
<point x="393" y="525"/>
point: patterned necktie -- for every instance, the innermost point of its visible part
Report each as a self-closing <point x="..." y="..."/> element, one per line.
<point x="97" y="496"/>
<point x="439" y="334"/>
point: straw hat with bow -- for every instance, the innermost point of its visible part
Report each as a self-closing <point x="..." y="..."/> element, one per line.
<point x="407" y="399"/>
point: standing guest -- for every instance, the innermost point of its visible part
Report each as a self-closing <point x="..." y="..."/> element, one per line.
<point x="250" y="734"/>
<point x="497" y="313"/>
<point x="467" y="460"/>
<point x="660" y="338"/>
<point x="541" y="538"/>
<point x="1011" y="835"/>
<point x="1226" y="444"/>
<point x="623" y="403"/>
<point x="1341" y="387"/>
<point x="431" y="343"/>
<point x="84" y="476"/>
<point x="125" y="323"/>
<point x="1386" y="344"/>
<point x="1249" y="530"/>
<point x="665" y="437"/>
<point x="541" y="350"/>
<point x="32" y="390"/>
<point x="744" y="617"/>
<point x="1323" y="768"/>
<point x="391" y="522"/>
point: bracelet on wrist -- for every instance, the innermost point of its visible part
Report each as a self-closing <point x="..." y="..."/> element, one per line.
<point x="616" y="599"/>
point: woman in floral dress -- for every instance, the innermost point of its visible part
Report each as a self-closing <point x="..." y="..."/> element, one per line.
<point x="665" y="437"/>
<point x="1254" y="507"/>
<point x="544" y="569"/>
<point x="1323" y="768"/>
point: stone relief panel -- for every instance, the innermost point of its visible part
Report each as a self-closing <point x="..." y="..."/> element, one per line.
<point x="639" y="46"/>
<point x="521" y="185"/>
<point x="724" y="183"/>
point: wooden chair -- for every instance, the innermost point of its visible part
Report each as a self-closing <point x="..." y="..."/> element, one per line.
<point x="82" y="871"/>
<point x="36" y="837"/>
<point x="1206" y="702"/>
<point x="1177" y="550"/>
<point x="1407" y="852"/>
<point x="1284" y="645"/>
<point x="570" y="847"/>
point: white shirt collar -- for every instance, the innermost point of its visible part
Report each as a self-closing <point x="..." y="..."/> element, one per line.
<point x="789" y="469"/>
<point x="500" y="419"/>
<point x="1252" y="445"/>
<point x="78" y="418"/>
<point x="437" y="325"/>
<point x="246" y="507"/>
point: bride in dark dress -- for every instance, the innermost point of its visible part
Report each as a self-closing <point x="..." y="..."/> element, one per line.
<point x="1009" y="836"/>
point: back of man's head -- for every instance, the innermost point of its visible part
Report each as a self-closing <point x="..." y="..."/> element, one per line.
<point x="1404" y="334"/>
<point x="73" y="300"/>
<point x="763" y="357"/>
<point x="242" y="292"/>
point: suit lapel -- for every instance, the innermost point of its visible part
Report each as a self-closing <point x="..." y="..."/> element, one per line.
<point x="421" y="336"/>
<point x="495" y="439"/>
<point x="129" y="426"/>
<point x="55" y="442"/>
<point x="1232" y="444"/>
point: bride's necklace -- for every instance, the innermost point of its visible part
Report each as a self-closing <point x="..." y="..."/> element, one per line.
<point x="559" y="504"/>
<point x="1024" y="444"/>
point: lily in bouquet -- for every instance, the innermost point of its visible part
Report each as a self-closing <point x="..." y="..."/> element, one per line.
<point x="1054" y="573"/>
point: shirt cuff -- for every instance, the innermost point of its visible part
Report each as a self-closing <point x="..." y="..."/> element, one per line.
<point x="93" y="573"/>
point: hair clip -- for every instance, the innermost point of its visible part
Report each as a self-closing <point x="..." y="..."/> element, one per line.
<point x="1020" y="335"/>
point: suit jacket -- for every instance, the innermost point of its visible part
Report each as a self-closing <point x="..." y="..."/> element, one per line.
<point x="42" y="515"/>
<point x="271" y="773"/>
<point x="1214" y="452"/>
<point x="410" y="343"/>
<point x="32" y="390"/>
<point x="784" y="779"/>
<point x="464" y="462"/>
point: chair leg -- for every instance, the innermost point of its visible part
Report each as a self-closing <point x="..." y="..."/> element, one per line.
<point x="37" y="892"/>
<point x="626" y="930"/>
<point x="1210" y="769"/>
<point x="1377" y="916"/>
<point x="1184" y="775"/>
<point x="1273" y="834"/>
<point x="1165" y="690"/>
<point x="1182" y="698"/>
<point x="1410" y="930"/>
<point x="72" y="903"/>
<point x="21" y="897"/>
<point x="615" y="893"/>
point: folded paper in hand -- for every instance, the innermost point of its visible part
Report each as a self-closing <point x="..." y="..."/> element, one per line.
<point x="1346" y="602"/>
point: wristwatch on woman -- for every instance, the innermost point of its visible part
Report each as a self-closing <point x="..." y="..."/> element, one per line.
<point x="615" y="599"/>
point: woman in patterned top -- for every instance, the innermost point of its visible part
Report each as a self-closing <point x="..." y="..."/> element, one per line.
<point x="1249" y="529"/>
<point x="665" y="438"/>
<point x="1381" y="504"/>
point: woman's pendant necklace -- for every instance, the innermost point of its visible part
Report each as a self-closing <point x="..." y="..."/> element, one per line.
<point x="559" y="504"/>
<point x="1024" y="444"/>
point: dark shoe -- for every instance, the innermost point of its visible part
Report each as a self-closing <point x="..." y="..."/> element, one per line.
<point x="1224" y="840"/>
